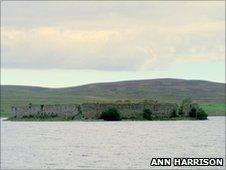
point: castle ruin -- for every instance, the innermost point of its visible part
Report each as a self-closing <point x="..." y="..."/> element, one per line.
<point x="94" y="110"/>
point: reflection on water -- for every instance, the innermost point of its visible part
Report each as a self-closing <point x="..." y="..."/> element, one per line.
<point x="125" y="144"/>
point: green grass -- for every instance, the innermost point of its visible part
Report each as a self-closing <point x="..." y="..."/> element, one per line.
<point x="214" y="109"/>
<point x="4" y="114"/>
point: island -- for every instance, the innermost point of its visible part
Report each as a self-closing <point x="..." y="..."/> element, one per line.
<point x="114" y="111"/>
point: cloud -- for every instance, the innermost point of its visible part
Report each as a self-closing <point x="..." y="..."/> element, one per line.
<point x="110" y="37"/>
<point x="206" y="58"/>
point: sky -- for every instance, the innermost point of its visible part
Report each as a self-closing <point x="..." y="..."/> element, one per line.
<point x="61" y="44"/>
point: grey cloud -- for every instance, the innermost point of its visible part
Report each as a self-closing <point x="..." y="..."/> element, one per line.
<point x="32" y="14"/>
<point x="108" y="35"/>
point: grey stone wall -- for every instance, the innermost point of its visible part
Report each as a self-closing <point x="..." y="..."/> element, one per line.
<point x="186" y="106"/>
<point x="61" y="110"/>
<point x="127" y="110"/>
<point x="163" y="110"/>
<point x="94" y="110"/>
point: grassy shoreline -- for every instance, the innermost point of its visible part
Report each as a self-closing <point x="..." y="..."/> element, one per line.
<point x="217" y="109"/>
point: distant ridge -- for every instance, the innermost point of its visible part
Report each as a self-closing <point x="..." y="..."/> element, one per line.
<point x="160" y="89"/>
<point x="138" y="80"/>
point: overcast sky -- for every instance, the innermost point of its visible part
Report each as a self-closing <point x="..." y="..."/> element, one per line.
<point x="58" y="44"/>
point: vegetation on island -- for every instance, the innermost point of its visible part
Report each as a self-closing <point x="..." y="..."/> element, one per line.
<point x="111" y="114"/>
<point x="198" y="113"/>
<point x="147" y="114"/>
<point x="186" y="110"/>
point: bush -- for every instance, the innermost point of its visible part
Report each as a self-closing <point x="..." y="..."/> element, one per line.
<point x="184" y="106"/>
<point x="28" y="116"/>
<point x="193" y="112"/>
<point x="147" y="114"/>
<point x="111" y="114"/>
<point x="201" y="114"/>
<point x="180" y="111"/>
<point x="198" y="113"/>
<point x="174" y="113"/>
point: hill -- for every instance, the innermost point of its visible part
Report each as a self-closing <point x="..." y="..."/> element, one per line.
<point x="173" y="90"/>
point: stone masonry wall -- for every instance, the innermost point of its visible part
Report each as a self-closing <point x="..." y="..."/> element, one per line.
<point x="94" y="110"/>
<point x="127" y="110"/>
<point x="163" y="110"/>
<point x="61" y="110"/>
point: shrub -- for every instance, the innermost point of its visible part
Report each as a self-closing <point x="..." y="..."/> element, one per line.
<point x="193" y="112"/>
<point x="184" y="106"/>
<point x="174" y="113"/>
<point x="27" y="116"/>
<point x="53" y="115"/>
<point x="201" y="114"/>
<point x="29" y="105"/>
<point x="180" y="111"/>
<point x="147" y="114"/>
<point x="111" y="114"/>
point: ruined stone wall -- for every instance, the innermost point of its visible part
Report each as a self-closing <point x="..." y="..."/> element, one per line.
<point x="128" y="110"/>
<point x="186" y="106"/>
<point x="162" y="110"/>
<point x="61" y="110"/>
<point x="94" y="110"/>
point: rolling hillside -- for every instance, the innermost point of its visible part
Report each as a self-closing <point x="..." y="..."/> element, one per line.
<point x="174" y="90"/>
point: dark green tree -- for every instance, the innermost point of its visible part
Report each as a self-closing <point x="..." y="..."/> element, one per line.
<point x="174" y="113"/>
<point x="111" y="114"/>
<point x="147" y="114"/>
<point x="201" y="114"/>
<point x="193" y="112"/>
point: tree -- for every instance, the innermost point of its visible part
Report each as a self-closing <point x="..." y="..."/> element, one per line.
<point x="193" y="112"/>
<point x="147" y="114"/>
<point x="201" y="114"/>
<point x="111" y="114"/>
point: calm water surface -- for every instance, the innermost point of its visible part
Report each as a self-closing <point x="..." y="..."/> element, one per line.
<point x="125" y="144"/>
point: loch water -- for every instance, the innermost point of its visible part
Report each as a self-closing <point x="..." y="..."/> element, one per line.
<point x="108" y="145"/>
